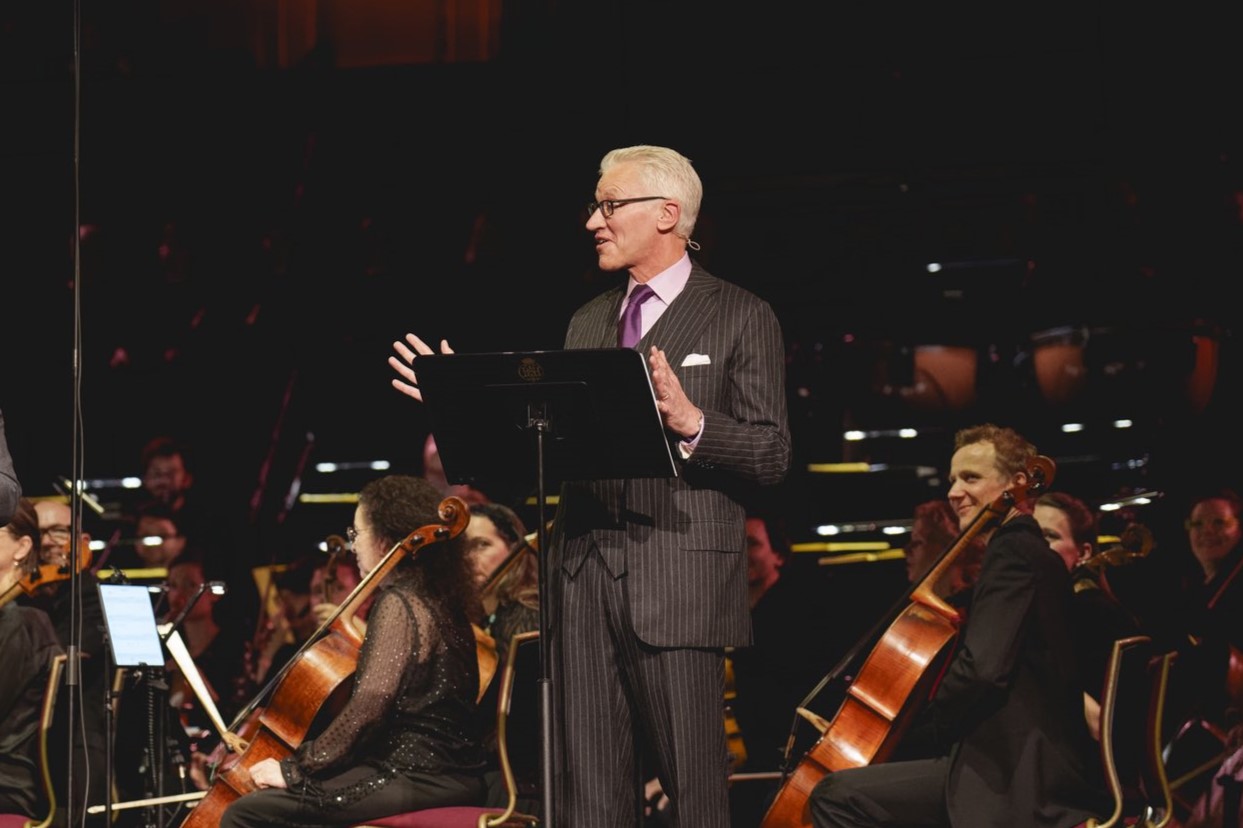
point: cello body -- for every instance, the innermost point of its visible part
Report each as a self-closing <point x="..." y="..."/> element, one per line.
<point x="318" y="681"/>
<point x="877" y="709"/>
<point x="897" y="677"/>
<point x="315" y="681"/>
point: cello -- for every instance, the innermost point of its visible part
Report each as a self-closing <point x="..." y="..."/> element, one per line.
<point x="313" y="680"/>
<point x="898" y="673"/>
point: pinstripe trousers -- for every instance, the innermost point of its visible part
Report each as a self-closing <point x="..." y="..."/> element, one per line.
<point x="613" y="693"/>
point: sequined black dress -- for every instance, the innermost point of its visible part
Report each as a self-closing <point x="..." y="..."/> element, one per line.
<point x="409" y="736"/>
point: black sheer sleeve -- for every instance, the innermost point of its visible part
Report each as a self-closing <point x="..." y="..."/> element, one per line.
<point x="396" y="650"/>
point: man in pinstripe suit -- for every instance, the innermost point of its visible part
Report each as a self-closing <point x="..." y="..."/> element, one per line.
<point x="10" y="488"/>
<point x="649" y="576"/>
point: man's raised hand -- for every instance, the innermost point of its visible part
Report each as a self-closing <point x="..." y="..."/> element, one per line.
<point x="403" y="363"/>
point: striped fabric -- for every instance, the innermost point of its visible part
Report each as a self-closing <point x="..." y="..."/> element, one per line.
<point x="669" y="571"/>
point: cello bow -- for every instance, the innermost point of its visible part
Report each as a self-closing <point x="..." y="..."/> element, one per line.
<point x="312" y="678"/>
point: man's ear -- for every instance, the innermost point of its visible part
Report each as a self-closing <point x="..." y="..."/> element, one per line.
<point x="670" y="212"/>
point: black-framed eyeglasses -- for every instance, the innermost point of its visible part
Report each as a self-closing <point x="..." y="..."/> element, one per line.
<point x="610" y="205"/>
<point x="351" y="535"/>
<point x="58" y="533"/>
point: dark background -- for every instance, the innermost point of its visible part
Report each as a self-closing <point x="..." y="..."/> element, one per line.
<point x="268" y="194"/>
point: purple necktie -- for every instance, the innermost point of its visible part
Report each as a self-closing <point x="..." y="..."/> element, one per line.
<point x="630" y="327"/>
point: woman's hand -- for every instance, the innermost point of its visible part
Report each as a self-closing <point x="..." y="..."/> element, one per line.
<point x="266" y="773"/>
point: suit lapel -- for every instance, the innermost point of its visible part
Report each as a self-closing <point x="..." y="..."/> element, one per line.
<point x="680" y="327"/>
<point x="603" y="322"/>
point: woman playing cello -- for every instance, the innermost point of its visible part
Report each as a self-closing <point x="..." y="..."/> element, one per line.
<point x="408" y="737"/>
<point x="1003" y="741"/>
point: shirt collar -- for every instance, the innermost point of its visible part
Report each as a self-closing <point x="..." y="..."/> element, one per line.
<point x="669" y="282"/>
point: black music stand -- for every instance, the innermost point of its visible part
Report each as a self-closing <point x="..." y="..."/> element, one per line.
<point x="587" y="414"/>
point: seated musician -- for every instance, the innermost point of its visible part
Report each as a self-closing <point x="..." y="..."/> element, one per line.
<point x="1203" y="621"/>
<point x="288" y="628"/>
<point x="408" y="737"/>
<point x="331" y="584"/>
<point x="1100" y="618"/>
<point x="90" y="741"/>
<point x="1003" y="739"/>
<point x="510" y="597"/>
<point x="27" y="645"/>
<point x="934" y="529"/>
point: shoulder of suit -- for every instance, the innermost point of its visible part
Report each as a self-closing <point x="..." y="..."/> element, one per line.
<point x="705" y="280"/>
<point x="607" y="298"/>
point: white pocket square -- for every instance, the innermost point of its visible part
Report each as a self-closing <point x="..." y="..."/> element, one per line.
<point x="696" y="359"/>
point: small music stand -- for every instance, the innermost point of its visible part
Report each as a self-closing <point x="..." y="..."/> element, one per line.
<point x="585" y="414"/>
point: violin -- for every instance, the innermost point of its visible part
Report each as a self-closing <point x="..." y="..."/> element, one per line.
<point x="488" y="655"/>
<point x="314" y="680"/>
<point x="900" y="670"/>
<point x="528" y="544"/>
<point x="47" y="574"/>
<point x="1135" y="543"/>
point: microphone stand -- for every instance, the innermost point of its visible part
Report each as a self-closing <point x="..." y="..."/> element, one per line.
<point x="216" y="587"/>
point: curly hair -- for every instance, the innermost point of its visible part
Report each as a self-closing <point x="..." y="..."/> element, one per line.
<point x="1014" y="451"/>
<point x="940" y="522"/>
<point x="397" y="505"/>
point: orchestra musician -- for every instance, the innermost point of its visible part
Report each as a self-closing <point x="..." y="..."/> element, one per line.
<point x="408" y="737"/>
<point x="1100" y="618"/>
<point x="331" y="584"/>
<point x="1211" y="606"/>
<point x="934" y="528"/>
<point x="1204" y="624"/>
<point x="27" y="645"/>
<point x="1003" y="740"/>
<point x="90" y="743"/>
<point x="286" y="629"/>
<point x="506" y="570"/>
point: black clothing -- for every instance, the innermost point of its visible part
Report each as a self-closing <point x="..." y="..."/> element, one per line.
<point x="1008" y="713"/>
<point x="409" y="736"/>
<point x="1206" y="628"/>
<point x="90" y="721"/>
<point x="1100" y="620"/>
<point x="27" y="645"/>
<point x="10" y="488"/>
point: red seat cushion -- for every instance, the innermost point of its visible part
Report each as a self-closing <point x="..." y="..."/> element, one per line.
<point x="13" y="820"/>
<point x="461" y="816"/>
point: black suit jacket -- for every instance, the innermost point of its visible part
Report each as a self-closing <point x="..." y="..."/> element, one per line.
<point x="1012" y="699"/>
<point x="680" y="542"/>
<point x="10" y="488"/>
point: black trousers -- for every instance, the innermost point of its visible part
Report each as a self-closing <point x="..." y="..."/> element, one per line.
<point x="895" y="795"/>
<point x="274" y="806"/>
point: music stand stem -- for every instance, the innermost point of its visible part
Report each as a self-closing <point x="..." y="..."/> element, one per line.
<point x="540" y="425"/>
<point x="608" y="427"/>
